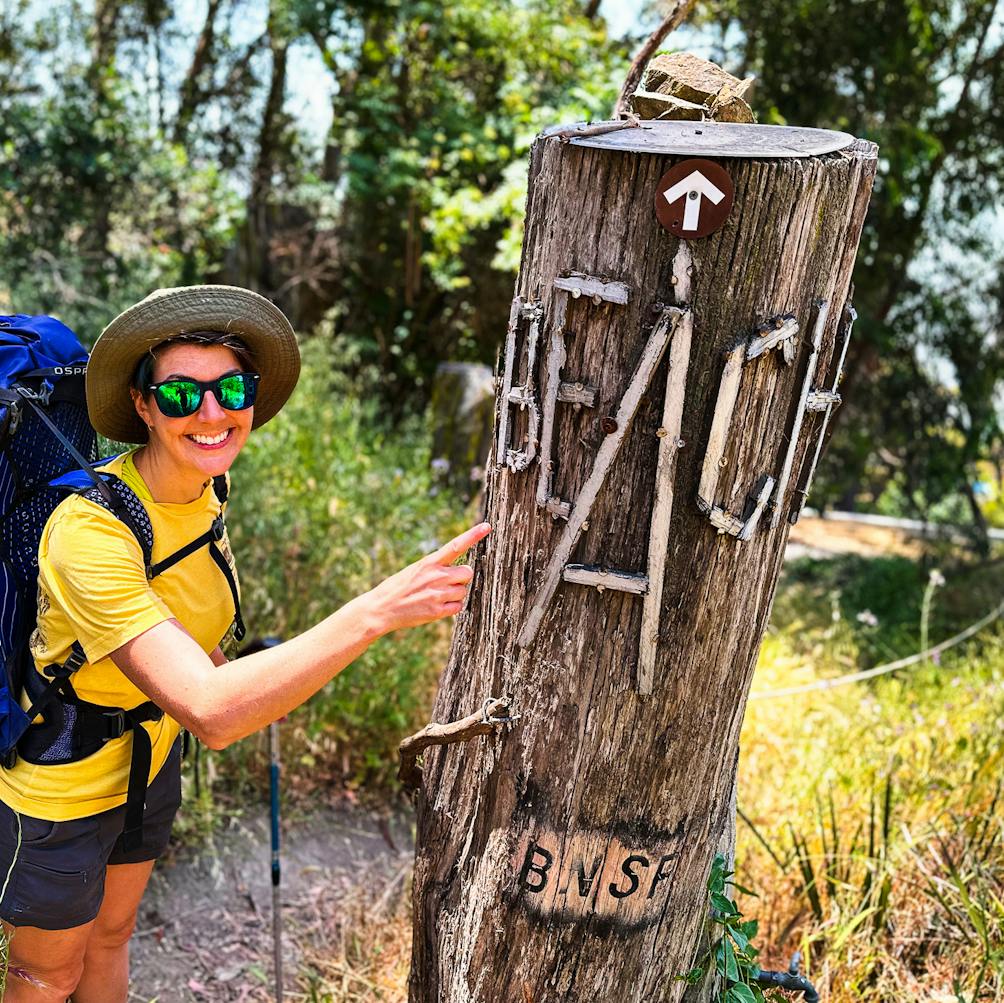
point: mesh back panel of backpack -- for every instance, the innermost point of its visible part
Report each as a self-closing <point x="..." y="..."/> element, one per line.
<point x="61" y="749"/>
<point x="32" y="458"/>
<point x="9" y="587"/>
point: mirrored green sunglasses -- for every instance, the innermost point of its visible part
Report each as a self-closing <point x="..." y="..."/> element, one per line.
<point x="180" y="397"/>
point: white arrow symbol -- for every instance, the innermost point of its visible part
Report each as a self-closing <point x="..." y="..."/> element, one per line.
<point x="694" y="185"/>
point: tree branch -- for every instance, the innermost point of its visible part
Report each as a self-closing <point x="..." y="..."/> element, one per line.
<point x="677" y="15"/>
<point x="483" y="722"/>
<point x="192" y="91"/>
<point x="949" y="137"/>
<point x="600" y="129"/>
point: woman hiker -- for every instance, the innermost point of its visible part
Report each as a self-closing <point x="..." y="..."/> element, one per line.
<point x="187" y="373"/>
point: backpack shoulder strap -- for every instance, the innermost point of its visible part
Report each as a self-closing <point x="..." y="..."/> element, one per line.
<point x="212" y="535"/>
<point x="131" y="511"/>
<point x="124" y="503"/>
<point x="221" y="485"/>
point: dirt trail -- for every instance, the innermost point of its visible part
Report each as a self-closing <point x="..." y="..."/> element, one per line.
<point x="205" y="927"/>
<point x="814" y="537"/>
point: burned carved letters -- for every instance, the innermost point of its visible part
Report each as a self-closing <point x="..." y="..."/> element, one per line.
<point x="566" y="877"/>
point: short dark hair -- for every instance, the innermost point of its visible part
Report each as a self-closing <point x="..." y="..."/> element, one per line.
<point x="142" y="377"/>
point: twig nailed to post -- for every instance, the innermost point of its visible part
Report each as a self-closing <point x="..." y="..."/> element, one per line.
<point x="482" y="722"/>
<point x="599" y="129"/>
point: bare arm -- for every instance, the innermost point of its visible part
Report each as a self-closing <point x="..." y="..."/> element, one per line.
<point x="221" y="703"/>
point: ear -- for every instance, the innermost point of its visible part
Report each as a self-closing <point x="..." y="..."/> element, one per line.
<point x="142" y="408"/>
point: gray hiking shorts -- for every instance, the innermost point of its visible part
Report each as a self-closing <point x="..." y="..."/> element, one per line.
<point x="58" y="879"/>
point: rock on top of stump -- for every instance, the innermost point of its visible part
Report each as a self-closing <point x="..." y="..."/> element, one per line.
<point x="687" y="76"/>
<point x="683" y="86"/>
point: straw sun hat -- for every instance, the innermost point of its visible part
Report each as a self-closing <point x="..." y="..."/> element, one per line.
<point x="165" y="314"/>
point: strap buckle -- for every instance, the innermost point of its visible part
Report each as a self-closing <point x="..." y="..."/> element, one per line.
<point x="116" y="723"/>
<point x="218" y="528"/>
<point x="75" y="660"/>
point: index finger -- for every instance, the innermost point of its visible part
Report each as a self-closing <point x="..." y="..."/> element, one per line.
<point x="459" y="545"/>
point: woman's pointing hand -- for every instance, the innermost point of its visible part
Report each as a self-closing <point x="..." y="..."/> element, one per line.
<point x="430" y="589"/>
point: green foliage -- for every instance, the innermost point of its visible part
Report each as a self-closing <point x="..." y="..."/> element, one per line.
<point x="98" y="208"/>
<point x="433" y="133"/>
<point x="856" y="612"/>
<point x="153" y="148"/>
<point x="732" y="958"/>
<point x="328" y="499"/>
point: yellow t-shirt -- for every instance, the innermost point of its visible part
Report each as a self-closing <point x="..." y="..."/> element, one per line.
<point x="92" y="587"/>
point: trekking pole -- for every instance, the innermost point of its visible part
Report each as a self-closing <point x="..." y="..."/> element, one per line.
<point x="260" y="644"/>
<point x="273" y="783"/>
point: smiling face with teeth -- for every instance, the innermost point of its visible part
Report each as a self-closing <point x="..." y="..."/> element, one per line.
<point x="183" y="453"/>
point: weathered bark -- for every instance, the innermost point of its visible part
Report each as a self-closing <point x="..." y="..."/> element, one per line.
<point x="566" y="857"/>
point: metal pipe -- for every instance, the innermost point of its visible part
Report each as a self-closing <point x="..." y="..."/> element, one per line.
<point x="790" y="980"/>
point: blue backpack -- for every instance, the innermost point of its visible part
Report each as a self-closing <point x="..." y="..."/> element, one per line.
<point x="48" y="449"/>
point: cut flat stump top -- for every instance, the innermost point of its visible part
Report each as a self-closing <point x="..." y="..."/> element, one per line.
<point x="712" y="139"/>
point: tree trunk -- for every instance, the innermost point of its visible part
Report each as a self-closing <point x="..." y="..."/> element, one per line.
<point x="651" y="450"/>
<point x="262" y="214"/>
<point x="197" y="83"/>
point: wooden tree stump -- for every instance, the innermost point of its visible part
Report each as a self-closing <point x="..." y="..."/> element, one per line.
<point x="661" y="404"/>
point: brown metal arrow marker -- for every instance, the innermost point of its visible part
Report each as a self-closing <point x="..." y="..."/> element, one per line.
<point x="694" y="198"/>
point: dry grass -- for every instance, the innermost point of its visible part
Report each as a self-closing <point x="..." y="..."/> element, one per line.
<point x="876" y="834"/>
<point x="358" y="949"/>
